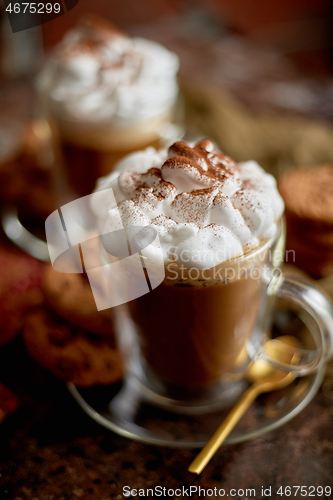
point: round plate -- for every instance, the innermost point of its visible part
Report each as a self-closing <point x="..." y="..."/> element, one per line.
<point x="123" y="410"/>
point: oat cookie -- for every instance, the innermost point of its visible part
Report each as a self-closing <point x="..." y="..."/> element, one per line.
<point x="308" y="197"/>
<point x="70" y="296"/>
<point x="68" y="352"/>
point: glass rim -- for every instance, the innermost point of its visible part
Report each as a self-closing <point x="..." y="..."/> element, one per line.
<point x="265" y="245"/>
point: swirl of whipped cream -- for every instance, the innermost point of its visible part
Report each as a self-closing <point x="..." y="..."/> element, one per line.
<point x="206" y="208"/>
<point x="98" y="73"/>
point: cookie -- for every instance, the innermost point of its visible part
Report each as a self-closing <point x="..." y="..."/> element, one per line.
<point x="310" y="258"/>
<point x="20" y="289"/>
<point x="308" y="192"/>
<point x="69" y="353"/>
<point x="308" y="197"/>
<point x="70" y="296"/>
<point x="319" y="233"/>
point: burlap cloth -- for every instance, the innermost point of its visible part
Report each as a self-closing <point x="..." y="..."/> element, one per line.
<point x="276" y="140"/>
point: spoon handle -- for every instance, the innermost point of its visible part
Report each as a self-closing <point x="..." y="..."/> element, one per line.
<point x="211" y="447"/>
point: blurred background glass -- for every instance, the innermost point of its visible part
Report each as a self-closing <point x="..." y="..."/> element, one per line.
<point x="257" y="77"/>
<point x="270" y="58"/>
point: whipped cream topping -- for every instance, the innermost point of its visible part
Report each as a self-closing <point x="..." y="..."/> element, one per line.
<point x="206" y="208"/>
<point x="99" y="73"/>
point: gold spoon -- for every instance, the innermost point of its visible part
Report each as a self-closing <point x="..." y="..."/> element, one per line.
<point x="265" y="378"/>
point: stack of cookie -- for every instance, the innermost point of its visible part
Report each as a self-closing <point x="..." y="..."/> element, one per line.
<point x="308" y="196"/>
<point x="20" y="291"/>
<point x="69" y="336"/>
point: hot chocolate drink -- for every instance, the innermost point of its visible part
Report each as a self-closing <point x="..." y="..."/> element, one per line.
<point x="109" y="94"/>
<point x="201" y="335"/>
<point x="216" y="221"/>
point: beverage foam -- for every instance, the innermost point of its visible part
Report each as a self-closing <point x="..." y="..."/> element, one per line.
<point x="206" y="208"/>
<point x="98" y="73"/>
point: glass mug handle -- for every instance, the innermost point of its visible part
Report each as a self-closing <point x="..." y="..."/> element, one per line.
<point x="312" y="300"/>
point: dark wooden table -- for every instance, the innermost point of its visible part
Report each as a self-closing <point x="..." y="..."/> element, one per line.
<point x="50" y="450"/>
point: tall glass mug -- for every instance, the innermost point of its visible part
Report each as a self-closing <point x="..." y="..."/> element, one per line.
<point x="188" y="341"/>
<point x="108" y="95"/>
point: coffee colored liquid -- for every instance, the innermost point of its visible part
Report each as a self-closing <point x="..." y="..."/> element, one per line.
<point x="90" y="150"/>
<point x="190" y="336"/>
<point x="84" y="165"/>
